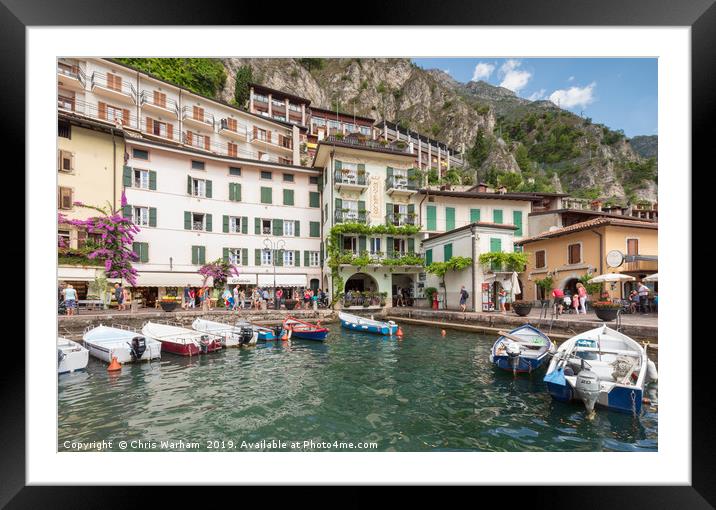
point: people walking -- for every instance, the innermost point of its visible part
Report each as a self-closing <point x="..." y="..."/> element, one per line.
<point x="192" y="298"/>
<point x="278" y="299"/>
<point x="463" y="298"/>
<point x="236" y="298"/>
<point x="582" y="293"/>
<point x="187" y="289"/>
<point x="70" y="296"/>
<point x="119" y="296"/>
<point x="558" y="301"/>
<point x="306" y="298"/>
<point x="242" y="299"/>
<point x="502" y="298"/>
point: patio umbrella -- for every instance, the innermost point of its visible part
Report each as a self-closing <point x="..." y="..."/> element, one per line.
<point x="515" y="285"/>
<point x="611" y="278"/>
<point x="652" y="278"/>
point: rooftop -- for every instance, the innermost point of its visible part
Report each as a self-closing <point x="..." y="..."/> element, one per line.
<point x="477" y="194"/>
<point x="275" y="92"/>
<point x="602" y="221"/>
<point x="423" y="138"/>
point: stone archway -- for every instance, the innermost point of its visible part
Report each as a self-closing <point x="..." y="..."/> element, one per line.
<point x="361" y="282"/>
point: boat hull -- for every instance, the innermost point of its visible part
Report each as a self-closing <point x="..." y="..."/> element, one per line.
<point x="617" y="399"/>
<point x="74" y="357"/>
<point x="318" y="336"/>
<point x="369" y="328"/>
<point x="123" y="354"/>
<point x="189" y="348"/>
<point x="525" y="365"/>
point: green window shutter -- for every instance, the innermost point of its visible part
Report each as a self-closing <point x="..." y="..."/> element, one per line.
<point x="411" y="245"/>
<point x="432" y="217"/>
<point x="137" y="249"/>
<point x="152" y="180"/>
<point x="187" y="220"/>
<point x="277" y="227"/>
<point x="495" y="244"/>
<point x="449" y="218"/>
<point x="339" y="206"/>
<point x="237" y="192"/>
<point x="226" y="254"/>
<point x="144" y="257"/>
<point x="388" y="208"/>
<point x="361" y="168"/>
<point x="389" y="170"/>
<point x="244" y="256"/>
<point x="152" y="216"/>
<point x="389" y="247"/>
<point x="188" y="184"/>
<point x="266" y="195"/>
<point x="411" y="208"/>
<point x="337" y="165"/>
<point x="225" y="223"/>
<point x="231" y="191"/>
<point x="297" y="258"/>
<point x="361" y="205"/>
<point x="202" y="255"/>
<point x="517" y="221"/>
<point x="194" y="254"/>
<point x="297" y="228"/>
<point x="306" y="258"/>
<point x="244" y="224"/>
<point x="127" y="176"/>
<point x="497" y="216"/>
<point x="127" y="211"/>
<point x="315" y="230"/>
<point x="314" y="199"/>
<point x="288" y="197"/>
<point x="208" y="189"/>
<point x="278" y="257"/>
<point x="257" y="257"/>
<point x="361" y="244"/>
<point x="208" y="223"/>
<point x="474" y="215"/>
<point x="447" y="252"/>
<point x="257" y="226"/>
<point x="428" y="257"/>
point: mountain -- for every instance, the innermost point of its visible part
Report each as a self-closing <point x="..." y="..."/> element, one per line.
<point x="645" y="146"/>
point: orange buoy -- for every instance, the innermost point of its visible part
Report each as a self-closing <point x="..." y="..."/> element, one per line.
<point x="443" y="332"/>
<point x="399" y="332"/>
<point x="114" y="366"/>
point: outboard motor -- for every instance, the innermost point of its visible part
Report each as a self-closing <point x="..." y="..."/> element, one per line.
<point x="278" y="330"/>
<point x="587" y="387"/>
<point x="204" y="344"/>
<point x="137" y="347"/>
<point x="513" y="353"/>
<point x="245" y="336"/>
<point x="60" y="356"/>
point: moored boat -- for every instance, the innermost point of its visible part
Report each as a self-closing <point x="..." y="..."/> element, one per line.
<point x="231" y="336"/>
<point x="181" y="341"/>
<point x="601" y="367"/>
<point x="358" y="323"/>
<point x="523" y="349"/>
<point x="264" y="334"/>
<point x="127" y="345"/>
<point x="71" y="356"/>
<point x="304" y="330"/>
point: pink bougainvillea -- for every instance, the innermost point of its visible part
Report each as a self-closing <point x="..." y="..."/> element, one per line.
<point x="116" y="235"/>
<point x="219" y="270"/>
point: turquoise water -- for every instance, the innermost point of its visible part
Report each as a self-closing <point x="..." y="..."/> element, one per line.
<point x="422" y="393"/>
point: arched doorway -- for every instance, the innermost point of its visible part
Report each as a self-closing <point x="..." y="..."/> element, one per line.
<point x="314" y="284"/>
<point x="356" y="288"/>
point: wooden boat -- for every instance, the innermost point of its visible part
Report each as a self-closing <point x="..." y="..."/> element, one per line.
<point x="358" y="323"/>
<point x="125" y="344"/>
<point x="71" y="356"/>
<point x="231" y="336"/>
<point x="523" y="349"/>
<point x="264" y="334"/>
<point x="304" y="330"/>
<point x="182" y="341"/>
<point x="601" y="367"/>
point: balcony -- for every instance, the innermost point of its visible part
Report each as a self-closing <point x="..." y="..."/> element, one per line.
<point x="113" y="87"/>
<point x="271" y="140"/>
<point x="162" y="107"/>
<point x="350" y="179"/>
<point x="400" y="185"/>
<point x="233" y="130"/>
<point x="124" y="119"/>
<point x="640" y="263"/>
<point x="362" y="142"/>
<point x="348" y="216"/>
<point x="70" y="77"/>
<point x="205" y="122"/>
<point x="400" y="219"/>
<point x="161" y="130"/>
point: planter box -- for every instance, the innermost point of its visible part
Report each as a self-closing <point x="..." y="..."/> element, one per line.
<point x="606" y="314"/>
<point x="290" y="304"/>
<point x="168" y="306"/>
<point x="522" y="309"/>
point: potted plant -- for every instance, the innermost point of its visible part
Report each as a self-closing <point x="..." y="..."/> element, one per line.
<point x="169" y="303"/>
<point x="290" y="303"/>
<point x="383" y="295"/>
<point x="522" y="308"/>
<point x="606" y="310"/>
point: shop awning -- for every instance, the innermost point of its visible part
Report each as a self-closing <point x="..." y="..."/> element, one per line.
<point x="85" y="274"/>
<point x="242" y="279"/>
<point x="283" y="280"/>
<point x="170" y="279"/>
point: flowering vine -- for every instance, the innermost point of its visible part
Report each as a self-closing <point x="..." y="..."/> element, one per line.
<point x="220" y="270"/>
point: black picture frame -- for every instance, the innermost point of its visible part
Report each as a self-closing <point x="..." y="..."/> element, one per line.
<point x="700" y="15"/>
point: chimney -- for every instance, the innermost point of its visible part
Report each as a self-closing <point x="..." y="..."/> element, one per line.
<point x="482" y="188"/>
<point x="502" y="190"/>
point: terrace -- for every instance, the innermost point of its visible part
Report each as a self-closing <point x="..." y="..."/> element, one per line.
<point x="400" y="219"/>
<point x="400" y="185"/>
<point x="113" y="86"/>
<point x="363" y="143"/>
<point x="70" y="76"/>
<point x="159" y="104"/>
<point x="195" y="117"/>
<point x="231" y="128"/>
<point x="350" y="179"/>
<point x="121" y="117"/>
<point x="350" y="216"/>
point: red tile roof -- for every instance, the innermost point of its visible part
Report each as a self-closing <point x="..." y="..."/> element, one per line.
<point x="588" y="225"/>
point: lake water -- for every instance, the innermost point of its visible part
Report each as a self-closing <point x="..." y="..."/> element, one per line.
<point x="422" y="393"/>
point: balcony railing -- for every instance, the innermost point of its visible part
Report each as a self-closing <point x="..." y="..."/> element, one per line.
<point x="345" y="176"/>
<point x="641" y="263"/>
<point x="239" y="128"/>
<point x="400" y="219"/>
<point x="351" y="217"/>
<point x="367" y="144"/>
<point x="125" y="88"/>
<point x="271" y="139"/>
<point x="206" y="120"/>
<point x="80" y="107"/>
<point x="161" y="130"/>
<point x="72" y="71"/>
<point x="146" y="98"/>
<point x="397" y="182"/>
<point x="197" y="225"/>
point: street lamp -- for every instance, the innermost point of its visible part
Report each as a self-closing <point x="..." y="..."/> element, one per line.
<point x="275" y="247"/>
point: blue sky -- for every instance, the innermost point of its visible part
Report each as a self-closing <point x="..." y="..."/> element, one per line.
<point x="618" y="92"/>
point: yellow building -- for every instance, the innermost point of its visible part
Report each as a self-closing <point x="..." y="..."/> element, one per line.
<point x="570" y="252"/>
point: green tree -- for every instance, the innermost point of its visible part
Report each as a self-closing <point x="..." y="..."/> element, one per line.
<point x="205" y="76"/>
<point x="311" y="64"/>
<point x="440" y="269"/>
<point x="244" y="76"/>
<point x="477" y="154"/>
<point x="510" y="180"/>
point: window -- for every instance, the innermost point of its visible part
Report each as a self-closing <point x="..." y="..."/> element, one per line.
<point x="266" y="195"/>
<point x="63" y="129"/>
<point x="315" y="229"/>
<point x="314" y="199"/>
<point x="198" y="254"/>
<point x="266" y="257"/>
<point x="474" y="215"/>
<point x="140" y="154"/>
<point x="63" y="238"/>
<point x="266" y="175"/>
<point x="160" y="99"/>
<point x="141" y="216"/>
<point x="313" y="179"/>
<point x="288" y="178"/>
<point x="399" y="246"/>
<point x="540" y="259"/>
<point x="350" y="209"/>
<point x="114" y="114"/>
<point x="517" y="222"/>
<point x="66" y="161"/>
<point x="234" y="170"/>
<point x="432" y="223"/>
<point x="375" y="247"/>
<point x="632" y="246"/>
<point x="447" y="252"/>
<point x="197" y="221"/>
<point x="198" y="165"/>
<point x="235" y="256"/>
<point x="198" y="113"/>
<point x="428" y="257"/>
<point x="449" y="218"/>
<point x="575" y="253"/>
<point x="497" y="216"/>
<point x="313" y="259"/>
<point x="140" y="179"/>
<point x="287" y="197"/>
<point x="198" y="187"/>
<point x="235" y="224"/>
<point x="266" y="227"/>
<point x="64" y="197"/>
<point x="288" y="228"/>
<point x="285" y="161"/>
<point x="260" y="134"/>
<point x="142" y="251"/>
<point x="350" y="244"/>
<point x="114" y="82"/>
<point x="288" y="257"/>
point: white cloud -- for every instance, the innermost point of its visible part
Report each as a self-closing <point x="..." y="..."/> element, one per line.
<point x="571" y="78"/>
<point x="537" y="95"/>
<point x="574" y="96"/>
<point x="513" y="77"/>
<point x="482" y="71"/>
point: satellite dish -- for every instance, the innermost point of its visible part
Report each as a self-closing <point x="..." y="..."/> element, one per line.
<point x="615" y="258"/>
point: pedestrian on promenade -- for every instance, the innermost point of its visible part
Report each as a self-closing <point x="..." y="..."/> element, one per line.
<point x="279" y="296"/>
<point x="399" y="301"/>
<point x="186" y="296"/>
<point x="192" y="298"/>
<point x="119" y="296"/>
<point x="126" y="298"/>
<point x="558" y="300"/>
<point x="463" y="298"/>
<point x="70" y="296"/>
<point x="582" y="292"/>
<point x="242" y="299"/>
<point x="306" y="298"/>
<point x="236" y="298"/>
<point x="314" y="300"/>
<point x="643" y="297"/>
<point x="502" y="298"/>
<point x="255" y="298"/>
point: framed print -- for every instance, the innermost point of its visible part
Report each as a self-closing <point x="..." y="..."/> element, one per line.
<point x="387" y="254"/>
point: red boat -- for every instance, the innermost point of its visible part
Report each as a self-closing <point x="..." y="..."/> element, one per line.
<point x="181" y="341"/>
<point x="304" y="330"/>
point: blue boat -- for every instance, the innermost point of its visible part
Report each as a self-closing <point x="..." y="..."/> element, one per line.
<point x="524" y="349"/>
<point x="601" y="367"/>
<point x="304" y="330"/>
<point x="358" y="323"/>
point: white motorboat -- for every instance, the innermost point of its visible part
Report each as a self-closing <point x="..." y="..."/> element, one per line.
<point x="601" y="367"/>
<point x="358" y="323"/>
<point x="71" y="356"/>
<point x="125" y="344"/>
<point x="182" y="341"/>
<point x="231" y="336"/>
